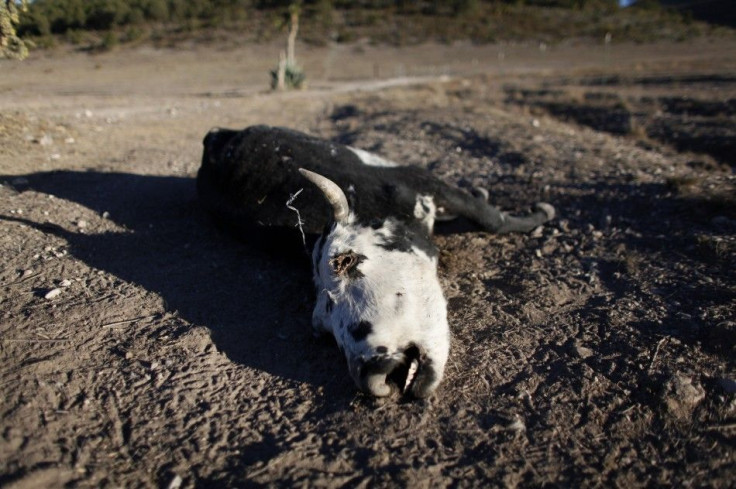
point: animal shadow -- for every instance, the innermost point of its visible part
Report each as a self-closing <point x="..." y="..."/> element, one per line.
<point x="257" y="306"/>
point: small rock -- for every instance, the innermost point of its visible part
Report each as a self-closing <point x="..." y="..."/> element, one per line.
<point x="65" y="283"/>
<point x="81" y="224"/>
<point x="46" y="140"/>
<point x="681" y="394"/>
<point x="175" y="483"/>
<point x="582" y="351"/>
<point x="52" y="293"/>
<point x="517" y="425"/>
<point x="106" y="215"/>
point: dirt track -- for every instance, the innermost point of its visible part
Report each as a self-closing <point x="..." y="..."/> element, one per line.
<point x="140" y="347"/>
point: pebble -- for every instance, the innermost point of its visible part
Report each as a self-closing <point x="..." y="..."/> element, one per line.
<point x="175" y="483"/>
<point x="582" y="351"/>
<point x="517" y="425"/>
<point x="681" y="394"/>
<point x="81" y="224"/>
<point x="52" y="293"/>
<point x="46" y="140"/>
<point x="65" y="283"/>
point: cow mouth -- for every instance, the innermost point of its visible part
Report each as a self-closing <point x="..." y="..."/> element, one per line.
<point x="403" y="376"/>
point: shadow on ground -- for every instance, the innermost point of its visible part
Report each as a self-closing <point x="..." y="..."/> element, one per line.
<point x="258" y="307"/>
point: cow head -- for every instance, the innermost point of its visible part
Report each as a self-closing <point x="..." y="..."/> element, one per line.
<point x="378" y="294"/>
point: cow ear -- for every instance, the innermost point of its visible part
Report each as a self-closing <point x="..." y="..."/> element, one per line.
<point x="425" y="212"/>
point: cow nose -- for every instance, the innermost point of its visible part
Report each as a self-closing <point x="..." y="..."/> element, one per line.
<point x="374" y="374"/>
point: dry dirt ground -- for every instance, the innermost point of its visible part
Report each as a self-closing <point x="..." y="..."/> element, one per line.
<point x="142" y="347"/>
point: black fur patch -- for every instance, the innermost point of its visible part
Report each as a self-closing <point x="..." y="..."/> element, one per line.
<point x="360" y="330"/>
<point x="381" y="349"/>
<point x="320" y="246"/>
<point x="405" y="237"/>
<point x="318" y="256"/>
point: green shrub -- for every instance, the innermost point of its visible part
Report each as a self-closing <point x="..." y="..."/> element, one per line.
<point x="109" y="41"/>
<point x="294" y="77"/>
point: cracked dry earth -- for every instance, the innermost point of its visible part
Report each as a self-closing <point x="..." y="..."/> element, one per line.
<point x="141" y="347"/>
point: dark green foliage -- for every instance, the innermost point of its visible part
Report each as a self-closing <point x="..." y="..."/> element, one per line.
<point x="392" y="21"/>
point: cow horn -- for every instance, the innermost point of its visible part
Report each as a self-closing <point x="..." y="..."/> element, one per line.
<point x="334" y="194"/>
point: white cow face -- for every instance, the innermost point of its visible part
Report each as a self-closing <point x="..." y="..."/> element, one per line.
<point x="378" y="294"/>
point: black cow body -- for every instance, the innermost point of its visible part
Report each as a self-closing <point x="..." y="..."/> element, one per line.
<point x="247" y="177"/>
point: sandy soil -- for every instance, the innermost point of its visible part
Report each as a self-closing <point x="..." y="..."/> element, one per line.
<point x="141" y="347"/>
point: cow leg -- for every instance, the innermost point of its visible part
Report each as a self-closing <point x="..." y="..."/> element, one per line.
<point x="455" y="202"/>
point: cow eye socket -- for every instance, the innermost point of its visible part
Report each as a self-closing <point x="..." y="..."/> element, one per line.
<point x="346" y="264"/>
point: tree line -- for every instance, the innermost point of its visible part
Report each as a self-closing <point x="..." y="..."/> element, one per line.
<point x="46" y="17"/>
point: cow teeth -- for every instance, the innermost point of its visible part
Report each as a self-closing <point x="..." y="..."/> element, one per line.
<point x="413" y="367"/>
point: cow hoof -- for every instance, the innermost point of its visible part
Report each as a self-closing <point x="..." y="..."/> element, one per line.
<point x="480" y="193"/>
<point x="548" y="210"/>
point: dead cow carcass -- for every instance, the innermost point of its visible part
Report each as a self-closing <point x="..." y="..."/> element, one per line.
<point x="369" y="222"/>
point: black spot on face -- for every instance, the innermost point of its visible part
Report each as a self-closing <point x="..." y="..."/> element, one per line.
<point x="405" y="237"/>
<point x="381" y="349"/>
<point x="360" y="330"/>
<point x="376" y="224"/>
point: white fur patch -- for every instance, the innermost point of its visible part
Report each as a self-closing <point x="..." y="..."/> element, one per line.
<point x="371" y="159"/>
<point x="425" y="211"/>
